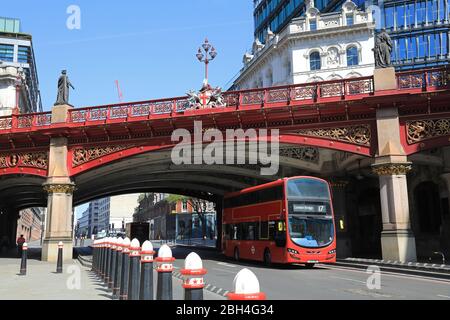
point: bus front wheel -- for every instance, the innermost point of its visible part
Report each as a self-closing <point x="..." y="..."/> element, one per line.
<point x="236" y="254"/>
<point x="309" y="265"/>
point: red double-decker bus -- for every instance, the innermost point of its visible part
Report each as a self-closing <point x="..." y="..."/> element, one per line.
<point x="289" y="221"/>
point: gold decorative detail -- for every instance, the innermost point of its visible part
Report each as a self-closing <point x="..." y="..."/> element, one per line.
<point x="421" y="130"/>
<point x="59" y="188"/>
<point x="392" y="169"/>
<point x="37" y="160"/>
<point x="359" y="134"/>
<point x="309" y="154"/>
<point x="82" y="156"/>
<point x="338" y="184"/>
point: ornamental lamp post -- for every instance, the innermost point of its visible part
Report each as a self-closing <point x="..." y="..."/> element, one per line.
<point x="209" y="54"/>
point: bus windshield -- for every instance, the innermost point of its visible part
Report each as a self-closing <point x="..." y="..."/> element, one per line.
<point x="311" y="232"/>
<point x="308" y="189"/>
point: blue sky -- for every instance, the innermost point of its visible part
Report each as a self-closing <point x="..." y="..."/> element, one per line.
<point x="149" y="46"/>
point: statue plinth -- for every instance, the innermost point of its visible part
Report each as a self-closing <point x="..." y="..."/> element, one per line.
<point x="385" y="79"/>
<point x="60" y="113"/>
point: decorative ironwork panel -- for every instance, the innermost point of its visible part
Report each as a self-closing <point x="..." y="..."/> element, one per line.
<point x="119" y="112"/>
<point x="5" y="123"/>
<point x="304" y="93"/>
<point x="98" y="114"/>
<point x="24" y="121"/>
<point x="82" y="156"/>
<point x="359" y="134"/>
<point x="421" y="130"/>
<point x="231" y="100"/>
<point x="43" y="120"/>
<point x="183" y="105"/>
<point x="437" y="79"/>
<point x="38" y="160"/>
<point x="141" y="111"/>
<point x="254" y="97"/>
<point x="78" y="115"/>
<point x="411" y="81"/>
<point x="162" y="107"/>
<point x="278" y="95"/>
<point x="359" y="87"/>
<point x="309" y="154"/>
<point x="331" y="90"/>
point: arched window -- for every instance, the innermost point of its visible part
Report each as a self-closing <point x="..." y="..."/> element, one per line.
<point x="315" y="63"/>
<point x="352" y="56"/>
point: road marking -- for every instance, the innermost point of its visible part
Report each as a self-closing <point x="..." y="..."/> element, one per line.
<point x="353" y="280"/>
<point x="442" y="296"/>
<point x="395" y="275"/>
<point x="223" y="270"/>
<point x="226" y="264"/>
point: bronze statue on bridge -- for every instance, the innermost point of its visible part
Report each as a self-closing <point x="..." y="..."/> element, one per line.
<point x="383" y="50"/>
<point x="64" y="86"/>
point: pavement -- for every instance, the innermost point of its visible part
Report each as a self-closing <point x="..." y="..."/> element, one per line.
<point x="76" y="283"/>
<point x="42" y="282"/>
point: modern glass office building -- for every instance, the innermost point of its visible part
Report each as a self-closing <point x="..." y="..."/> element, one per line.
<point x="276" y="14"/>
<point x="16" y="50"/>
<point x="419" y="28"/>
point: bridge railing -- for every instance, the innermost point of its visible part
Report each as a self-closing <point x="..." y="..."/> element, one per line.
<point x="315" y="92"/>
<point x="422" y="79"/>
<point x="298" y="94"/>
<point x="26" y="121"/>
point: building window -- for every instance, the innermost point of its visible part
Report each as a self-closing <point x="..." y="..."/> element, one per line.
<point x="352" y="56"/>
<point x="350" y="19"/>
<point x="184" y="206"/>
<point x="6" y="52"/>
<point x="315" y="62"/>
<point x="313" y="24"/>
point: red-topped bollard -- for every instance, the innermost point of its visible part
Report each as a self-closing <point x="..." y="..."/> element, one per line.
<point x="146" y="287"/>
<point x="112" y="263"/>
<point x="101" y="262"/>
<point x="125" y="269"/>
<point x="133" y="282"/>
<point x="106" y="260"/>
<point x="193" y="273"/>
<point x="23" y="262"/>
<point x="118" y="275"/>
<point x="164" y="268"/>
<point x="246" y="287"/>
<point x="59" y="265"/>
<point x="94" y="254"/>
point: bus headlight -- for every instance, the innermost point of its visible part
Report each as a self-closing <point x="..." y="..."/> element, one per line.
<point x="292" y="251"/>
<point x="332" y="252"/>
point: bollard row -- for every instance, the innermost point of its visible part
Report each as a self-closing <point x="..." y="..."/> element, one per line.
<point x="127" y="269"/>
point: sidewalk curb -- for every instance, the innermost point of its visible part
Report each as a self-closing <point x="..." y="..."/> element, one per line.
<point x="419" y="269"/>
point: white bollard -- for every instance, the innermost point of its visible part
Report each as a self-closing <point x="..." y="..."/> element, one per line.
<point x="164" y="268"/>
<point x="193" y="273"/>
<point x="246" y="287"/>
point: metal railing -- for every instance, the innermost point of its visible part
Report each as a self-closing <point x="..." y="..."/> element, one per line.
<point x="298" y="94"/>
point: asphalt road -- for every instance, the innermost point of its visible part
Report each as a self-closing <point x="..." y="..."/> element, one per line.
<point x="323" y="282"/>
